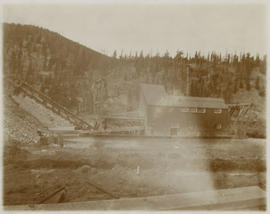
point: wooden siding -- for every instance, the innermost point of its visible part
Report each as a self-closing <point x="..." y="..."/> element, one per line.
<point x="161" y="119"/>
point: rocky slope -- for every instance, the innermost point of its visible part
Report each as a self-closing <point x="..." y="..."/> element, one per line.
<point x="45" y="116"/>
<point x="19" y="125"/>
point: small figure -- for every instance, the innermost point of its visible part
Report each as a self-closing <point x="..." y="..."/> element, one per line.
<point x="60" y="141"/>
<point x="40" y="136"/>
<point x="104" y="123"/>
<point x="55" y="139"/>
<point x="138" y="170"/>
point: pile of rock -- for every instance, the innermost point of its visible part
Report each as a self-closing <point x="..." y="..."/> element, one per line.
<point x="18" y="125"/>
<point x="44" y="115"/>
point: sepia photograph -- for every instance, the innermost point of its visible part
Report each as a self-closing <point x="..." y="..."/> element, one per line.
<point x="134" y="105"/>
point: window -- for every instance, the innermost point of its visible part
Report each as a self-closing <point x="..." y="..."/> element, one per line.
<point x="173" y="131"/>
<point x="185" y="109"/>
<point x="201" y="110"/>
<point x="219" y="126"/>
<point x="218" y="111"/>
<point x="188" y="109"/>
<point x="193" y="110"/>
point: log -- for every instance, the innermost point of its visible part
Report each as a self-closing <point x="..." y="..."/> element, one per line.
<point x="243" y="198"/>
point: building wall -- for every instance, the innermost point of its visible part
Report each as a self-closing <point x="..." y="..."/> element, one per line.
<point x="160" y="120"/>
<point x="142" y="105"/>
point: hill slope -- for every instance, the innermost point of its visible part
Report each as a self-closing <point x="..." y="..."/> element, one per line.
<point x="51" y="62"/>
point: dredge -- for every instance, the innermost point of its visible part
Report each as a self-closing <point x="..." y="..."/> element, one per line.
<point x="159" y="114"/>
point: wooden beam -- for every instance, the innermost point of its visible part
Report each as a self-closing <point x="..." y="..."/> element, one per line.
<point x="226" y="199"/>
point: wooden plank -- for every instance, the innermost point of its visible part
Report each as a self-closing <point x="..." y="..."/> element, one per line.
<point x="227" y="199"/>
<point x="123" y="118"/>
<point x="69" y="128"/>
<point x="44" y="98"/>
<point x="237" y="104"/>
<point x="55" y="197"/>
<point x="126" y="129"/>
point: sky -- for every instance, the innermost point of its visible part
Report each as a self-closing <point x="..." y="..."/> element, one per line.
<point x="151" y="28"/>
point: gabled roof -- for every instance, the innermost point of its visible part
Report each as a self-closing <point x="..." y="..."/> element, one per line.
<point x="156" y="95"/>
<point x="196" y="102"/>
<point x="153" y="93"/>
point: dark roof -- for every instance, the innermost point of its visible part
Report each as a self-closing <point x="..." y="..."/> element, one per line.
<point x="156" y="95"/>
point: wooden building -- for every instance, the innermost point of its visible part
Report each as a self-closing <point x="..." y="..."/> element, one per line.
<point x="166" y="115"/>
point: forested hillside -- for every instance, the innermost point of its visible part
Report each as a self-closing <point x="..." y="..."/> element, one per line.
<point x="72" y="74"/>
<point x="50" y="62"/>
<point x="212" y="76"/>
